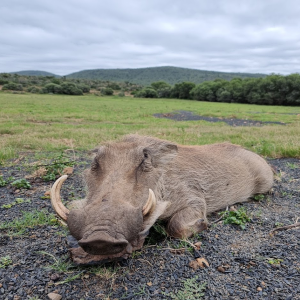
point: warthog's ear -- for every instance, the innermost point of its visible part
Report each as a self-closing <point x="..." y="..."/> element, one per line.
<point x="151" y="218"/>
<point x="97" y="151"/>
<point x="161" y="153"/>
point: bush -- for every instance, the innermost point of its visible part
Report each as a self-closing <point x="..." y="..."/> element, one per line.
<point x="147" y="92"/>
<point x="3" y="81"/>
<point x="12" y="86"/>
<point x="182" y="90"/>
<point x="52" y="88"/>
<point x="114" y="86"/>
<point x="33" y="89"/>
<point x="107" y="91"/>
<point x="70" y="88"/>
<point x="84" y="87"/>
<point x="162" y="88"/>
<point x="55" y="81"/>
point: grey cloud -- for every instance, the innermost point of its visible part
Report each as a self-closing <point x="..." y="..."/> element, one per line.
<point x="71" y="35"/>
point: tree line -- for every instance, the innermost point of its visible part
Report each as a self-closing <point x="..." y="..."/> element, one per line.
<point x="63" y="85"/>
<point x="270" y="90"/>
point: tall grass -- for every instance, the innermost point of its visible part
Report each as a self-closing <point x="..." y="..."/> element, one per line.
<point x="58" y="122"/>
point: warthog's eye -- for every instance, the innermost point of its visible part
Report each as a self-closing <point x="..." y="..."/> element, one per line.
<point x="146" y="164"/>
<point x="95" y="166"/>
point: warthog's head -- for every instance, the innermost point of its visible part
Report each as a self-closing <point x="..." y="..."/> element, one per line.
<point x="120" y="206"/>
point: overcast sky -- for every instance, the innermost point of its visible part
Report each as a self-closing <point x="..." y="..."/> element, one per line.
<point x="257" y="36"/>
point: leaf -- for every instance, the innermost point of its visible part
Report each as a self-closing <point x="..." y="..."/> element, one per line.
<point x="202" y="262"/>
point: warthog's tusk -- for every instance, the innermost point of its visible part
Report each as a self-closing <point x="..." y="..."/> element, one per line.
<point x="57" y="205"/>
<point x="151" y="203"/>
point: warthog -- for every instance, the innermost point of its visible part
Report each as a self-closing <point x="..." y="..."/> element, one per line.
<point x="135" y="181"/>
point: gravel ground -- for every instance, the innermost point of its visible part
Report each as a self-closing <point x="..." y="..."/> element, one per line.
<point x="243" y="264"/>
<point x="183" y="115"/>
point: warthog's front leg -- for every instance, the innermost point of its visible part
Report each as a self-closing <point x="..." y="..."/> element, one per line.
<point x="188" y="221"/>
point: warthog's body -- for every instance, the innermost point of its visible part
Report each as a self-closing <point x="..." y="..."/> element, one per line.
<point x="188" y="182"/>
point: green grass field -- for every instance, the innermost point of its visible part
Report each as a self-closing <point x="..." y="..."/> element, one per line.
<point x="30" y="122"/>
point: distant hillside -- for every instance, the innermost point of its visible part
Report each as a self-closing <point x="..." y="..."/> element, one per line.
<point x="35" y="73"/>
<point x="146" y="76"/>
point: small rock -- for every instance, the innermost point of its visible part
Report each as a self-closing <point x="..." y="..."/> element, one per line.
<point x="54" y="296"/>
<point x="221" y="269"/>
<point x="47" y="194"/>
<point x="54" y="277"/>
<point x="149" y="283"/>
<point x="259" y="289"/>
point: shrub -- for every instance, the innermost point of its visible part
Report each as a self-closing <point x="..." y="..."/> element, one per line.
<point x="84" y="87"/>
<point x="107" y="91"/>
<point x="21" y="184"/>
<point x="3" y="81"/>
<point x="70" y="88"/>
<point x="55" y="81"/>
<point x="114" y="86"/>
<point x="12" y="86"/>
<point x="33" y="89"/>
<point x="239" y="217"/>
<point x="182" y="90"/>
<point x="52" y="88"/>
<point x="147" y="92"/>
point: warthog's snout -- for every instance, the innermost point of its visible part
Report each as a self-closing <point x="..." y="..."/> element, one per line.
<point x="102" y="243"/>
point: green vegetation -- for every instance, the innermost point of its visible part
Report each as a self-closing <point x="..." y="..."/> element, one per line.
<point x="21" y="184"/>
<point x="53" y="123"/>
<point x="192" y="290"/>
<point x="157" y="233"/>
<point x="271" y="90"/>
<point x="4" y="182"/>
<point x="60" y="264"/>
<point x="29" y="220"/>
<point x="275" y="261"/>
<point x="146" y="76"/>
<point x="35" y="73"/>
<point x="239" y="217"/>
<point x="290" y="165"/>
<point x="259" y="197"/>
<point x="56" y="167"/>
<point x="54" y="85"/>
<point x="63" y="265"/>
<point x="5" y="261"/>
<point x="17" y="201"/>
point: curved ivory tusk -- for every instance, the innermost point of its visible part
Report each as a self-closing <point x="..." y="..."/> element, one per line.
<point x="57" y="205"/>
<point x="151" y="203"/>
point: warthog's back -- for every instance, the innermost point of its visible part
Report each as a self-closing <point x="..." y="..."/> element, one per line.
<point x="222" y="173"/>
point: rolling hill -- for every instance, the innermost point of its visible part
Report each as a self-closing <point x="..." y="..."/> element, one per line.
<point x="35" y="73"/>
<point x="146" y="76"/>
